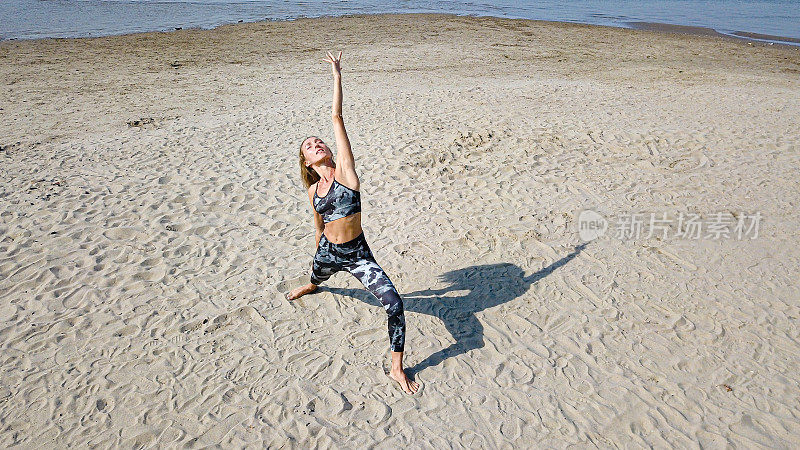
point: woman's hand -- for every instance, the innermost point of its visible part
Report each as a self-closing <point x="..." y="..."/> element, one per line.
<point x="336" y="66"/>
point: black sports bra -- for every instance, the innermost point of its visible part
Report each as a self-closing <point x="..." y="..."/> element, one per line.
<point x="340" y="201"/>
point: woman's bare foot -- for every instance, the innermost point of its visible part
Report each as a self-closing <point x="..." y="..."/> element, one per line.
<point x="400" y="376"/>
<point x="302" y="290"/>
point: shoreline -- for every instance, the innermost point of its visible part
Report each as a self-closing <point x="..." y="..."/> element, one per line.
<point x="661" y="27"/>
<point x="707" y="31"/>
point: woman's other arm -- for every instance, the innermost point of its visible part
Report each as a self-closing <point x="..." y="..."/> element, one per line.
<point x="319" y="225"/>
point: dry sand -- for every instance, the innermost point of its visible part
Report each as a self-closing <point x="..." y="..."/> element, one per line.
<point x="142" y="266"/>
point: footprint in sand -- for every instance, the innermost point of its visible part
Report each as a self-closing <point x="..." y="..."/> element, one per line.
<point x="121" y="233"/>
<point x="286" y="286"/>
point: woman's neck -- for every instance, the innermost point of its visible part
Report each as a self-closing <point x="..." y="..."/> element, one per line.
<point x="327" y="172"/>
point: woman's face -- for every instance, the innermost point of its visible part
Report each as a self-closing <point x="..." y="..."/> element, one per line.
<point x="315" y="150"/>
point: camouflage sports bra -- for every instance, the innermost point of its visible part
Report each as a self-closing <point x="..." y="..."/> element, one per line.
<point x="340" y="201"/>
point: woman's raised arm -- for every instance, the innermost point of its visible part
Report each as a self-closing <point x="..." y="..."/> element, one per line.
<point x="345" y="163"/>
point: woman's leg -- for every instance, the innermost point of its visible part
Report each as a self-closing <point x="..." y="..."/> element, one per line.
<point x="322" y="267"/>
<point x="321" y="270"/>
<point x="372" y="276"/>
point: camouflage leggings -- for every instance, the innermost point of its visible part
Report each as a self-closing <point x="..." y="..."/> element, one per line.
<point x="356" y="257"/>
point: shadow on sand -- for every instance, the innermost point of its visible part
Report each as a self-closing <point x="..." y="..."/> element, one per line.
<point x="476" y="288"/>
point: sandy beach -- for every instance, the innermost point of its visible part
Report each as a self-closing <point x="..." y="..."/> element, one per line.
<point x="152" y="216"/>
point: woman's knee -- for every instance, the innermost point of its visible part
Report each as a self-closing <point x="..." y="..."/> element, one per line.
<point x="392" y="302"/>
<point x="389" y="297"/>
<point x="320" y="273"/>
<point x="314" y="279"/>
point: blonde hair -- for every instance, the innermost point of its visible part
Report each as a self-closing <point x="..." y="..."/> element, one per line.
<point x="307" y="174"/>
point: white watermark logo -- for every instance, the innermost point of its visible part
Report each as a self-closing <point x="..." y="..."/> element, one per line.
<point x="714" y="226"/>
<point x="591" y="225"/>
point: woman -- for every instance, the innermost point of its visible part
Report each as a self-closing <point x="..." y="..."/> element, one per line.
<point x="333" y="190"/>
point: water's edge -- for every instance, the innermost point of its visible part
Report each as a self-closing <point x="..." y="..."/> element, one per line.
<point x="636" y="25"/>
<point x="706" y="31"/>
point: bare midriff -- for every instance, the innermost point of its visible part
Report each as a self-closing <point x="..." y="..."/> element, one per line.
<point x="343" y="230"/>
